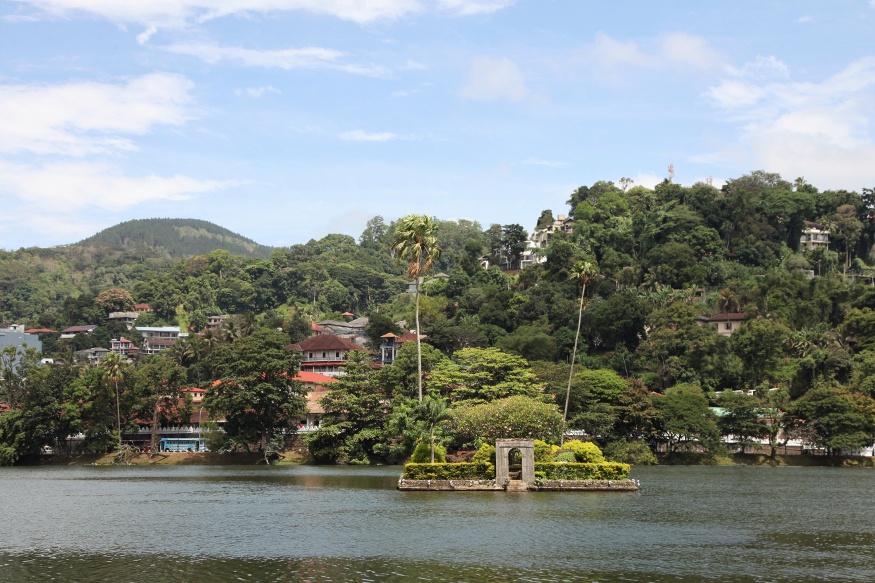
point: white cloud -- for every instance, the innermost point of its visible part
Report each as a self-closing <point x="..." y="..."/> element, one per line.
<point x="407" y="93"/>
<point x="85" y="117"/>
<point x="411" y="65"/>
<point x="75" y="185"/>
<point x="680" y="52"/>
<point x="257" y="91"/>
<point x="181" y="13"/>
<point x="363" y="136"/>
<point x="648" y="180"/>
<point x="144" y="36"/>
<point x="807" y="18"/>
<point x="539" y="162"/>
<point x="466" y="7"/>
<point x="306" y="58"/>
<point x="490" y="79"/>
<point x="819" y="130"/>
<point x="178" y="13"/>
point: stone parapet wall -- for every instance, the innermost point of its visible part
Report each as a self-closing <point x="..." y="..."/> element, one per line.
<point x="546" y="486"/>
<point x="590" y="485"/>
<point x="448" y="485"/>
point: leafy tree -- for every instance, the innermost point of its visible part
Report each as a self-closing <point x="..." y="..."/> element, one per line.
<point x="620" y="319"/>
<point x="514" y="242"/>
<point x="834" y="419"/>
<point x="158" y="382"/>
<point x="519" y="417"/>
<point x="481" y="375"/>
<point x="545" y="220"/>
<point x="758" y="344"/>
<point x="741" y="418"/>
<point x="256" y="395"/>
<point x="686" y="419"/>
<point x="415" y="243"/>
<point x="115" y="300"/>
<point x="354" y="415"/>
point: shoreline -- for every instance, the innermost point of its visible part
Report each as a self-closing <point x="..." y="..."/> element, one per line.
<point x="297" y="458"/>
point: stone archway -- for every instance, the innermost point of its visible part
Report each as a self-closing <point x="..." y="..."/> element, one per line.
<point x="502" y="459"/>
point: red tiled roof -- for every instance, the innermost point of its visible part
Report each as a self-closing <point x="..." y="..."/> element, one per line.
<point x="324" y="342"/>
<point x="316" y="328"/>
<point x="142" y="306"/>
<point x="38" y="331"/>
<point x="727" y="317"/>
<point x="408" y="337"/>
<point x="313" y="377"/>
<point x="160" y="341"/>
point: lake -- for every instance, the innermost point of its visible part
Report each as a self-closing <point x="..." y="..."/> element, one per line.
<point x="332" y="524"/>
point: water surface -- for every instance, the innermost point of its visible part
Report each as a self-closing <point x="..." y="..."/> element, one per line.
<point x="232" y="523"/>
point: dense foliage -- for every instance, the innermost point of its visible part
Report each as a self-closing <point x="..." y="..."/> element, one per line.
<point x="649" y="368"/>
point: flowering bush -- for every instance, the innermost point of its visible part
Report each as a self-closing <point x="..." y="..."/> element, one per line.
<point x="437" y="471"/>
<point x="585" y="452"/>
<point x="115" y="300"/>
<point x="603" y="471"/>
<point x="514" y="417"/>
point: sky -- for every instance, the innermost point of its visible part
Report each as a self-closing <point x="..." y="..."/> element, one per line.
<point x="286" y="120"/>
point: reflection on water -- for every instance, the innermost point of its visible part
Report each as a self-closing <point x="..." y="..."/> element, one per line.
<point x="349" y="524"/>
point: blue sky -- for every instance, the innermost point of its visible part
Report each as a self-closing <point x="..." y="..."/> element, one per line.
<point x="285" y="120"/>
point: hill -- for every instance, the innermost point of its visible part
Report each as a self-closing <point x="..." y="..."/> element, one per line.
<point x="176" y="238"/>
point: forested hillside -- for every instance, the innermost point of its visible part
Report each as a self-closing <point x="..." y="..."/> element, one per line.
<point x="657" y="264"/>
<point x="176" y="238"/>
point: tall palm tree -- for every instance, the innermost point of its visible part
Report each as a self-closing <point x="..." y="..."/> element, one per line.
<point x="211" y="340"/>
<point x="114" y="371"/>
<point x="582" y="271"/>
<point x="248" y="324"/>
<point x="727" y="301"/>
<point x="230" y="331"/>
<point x="415" y="243"/>
<point x="432" y="412"/>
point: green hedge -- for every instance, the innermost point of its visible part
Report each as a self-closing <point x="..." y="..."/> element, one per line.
<point x="603" y="471"/>
<point x="469" y="471"/>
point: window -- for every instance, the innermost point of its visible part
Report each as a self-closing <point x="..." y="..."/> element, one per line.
<point x="728" y="325"/>
<point x="323" y="355"/>
<point x="310" y="355"/>
<point x="337" y="354"/>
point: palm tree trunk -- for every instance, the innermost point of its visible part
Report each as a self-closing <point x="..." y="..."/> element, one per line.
<point x="432" y="445"/>
<point x="153" y="442"/>
<point x="418" y="347"/>
<point x="573" y="358"/>
<point x="118" y="417"/>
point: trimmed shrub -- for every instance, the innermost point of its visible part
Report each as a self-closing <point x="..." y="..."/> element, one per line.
<point x="565" y="456"/>
<point x="514" y="417"/>
<point x="543" y="451"/>
<point x="422" y="454"/>
<point x="470" y="471"/>
<point x="603" y="471"/>
<point x="630" y="452"/>
<point x="485" y="455"/>
<point x="585" y="452"/>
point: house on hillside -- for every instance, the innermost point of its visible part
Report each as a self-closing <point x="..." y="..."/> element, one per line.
<point x="160" y="332"/>
<point x="11" y="337"/>
<point x="391" y="344"/>
<point x="142" y="308"/>
<point x="726" y="323"/>
<point x="316" y="330"/>
<point x="92" y="355"/>
<point x="156" y="345"/>
<point x="121" y="346"/>
<point x="73" y="330"/>
<point x="215" y="322"/>
<point x="353" y="331"/>
<point x="814" y="236"/>
<point x="541" y="237"/>
<point x="324" y="354"/>
<point x="126" y="318"/>
<point x="411" y="285"/>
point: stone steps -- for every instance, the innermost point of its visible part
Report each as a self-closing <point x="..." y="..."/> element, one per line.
<point x="517" y="486"/>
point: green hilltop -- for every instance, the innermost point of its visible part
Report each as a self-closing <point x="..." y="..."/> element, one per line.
<point x="176" y="238"/>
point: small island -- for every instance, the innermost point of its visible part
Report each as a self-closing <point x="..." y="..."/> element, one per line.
<point x="576" y="466"/>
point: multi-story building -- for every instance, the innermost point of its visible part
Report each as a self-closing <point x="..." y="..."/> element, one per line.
<point x="324" y="354"/>
<point x="127" y="318"/>
<point x="121" y="346"/>
<point x="814" y="236"/>
<point x="215" y="322"/>
<point x="73" y="330"/>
